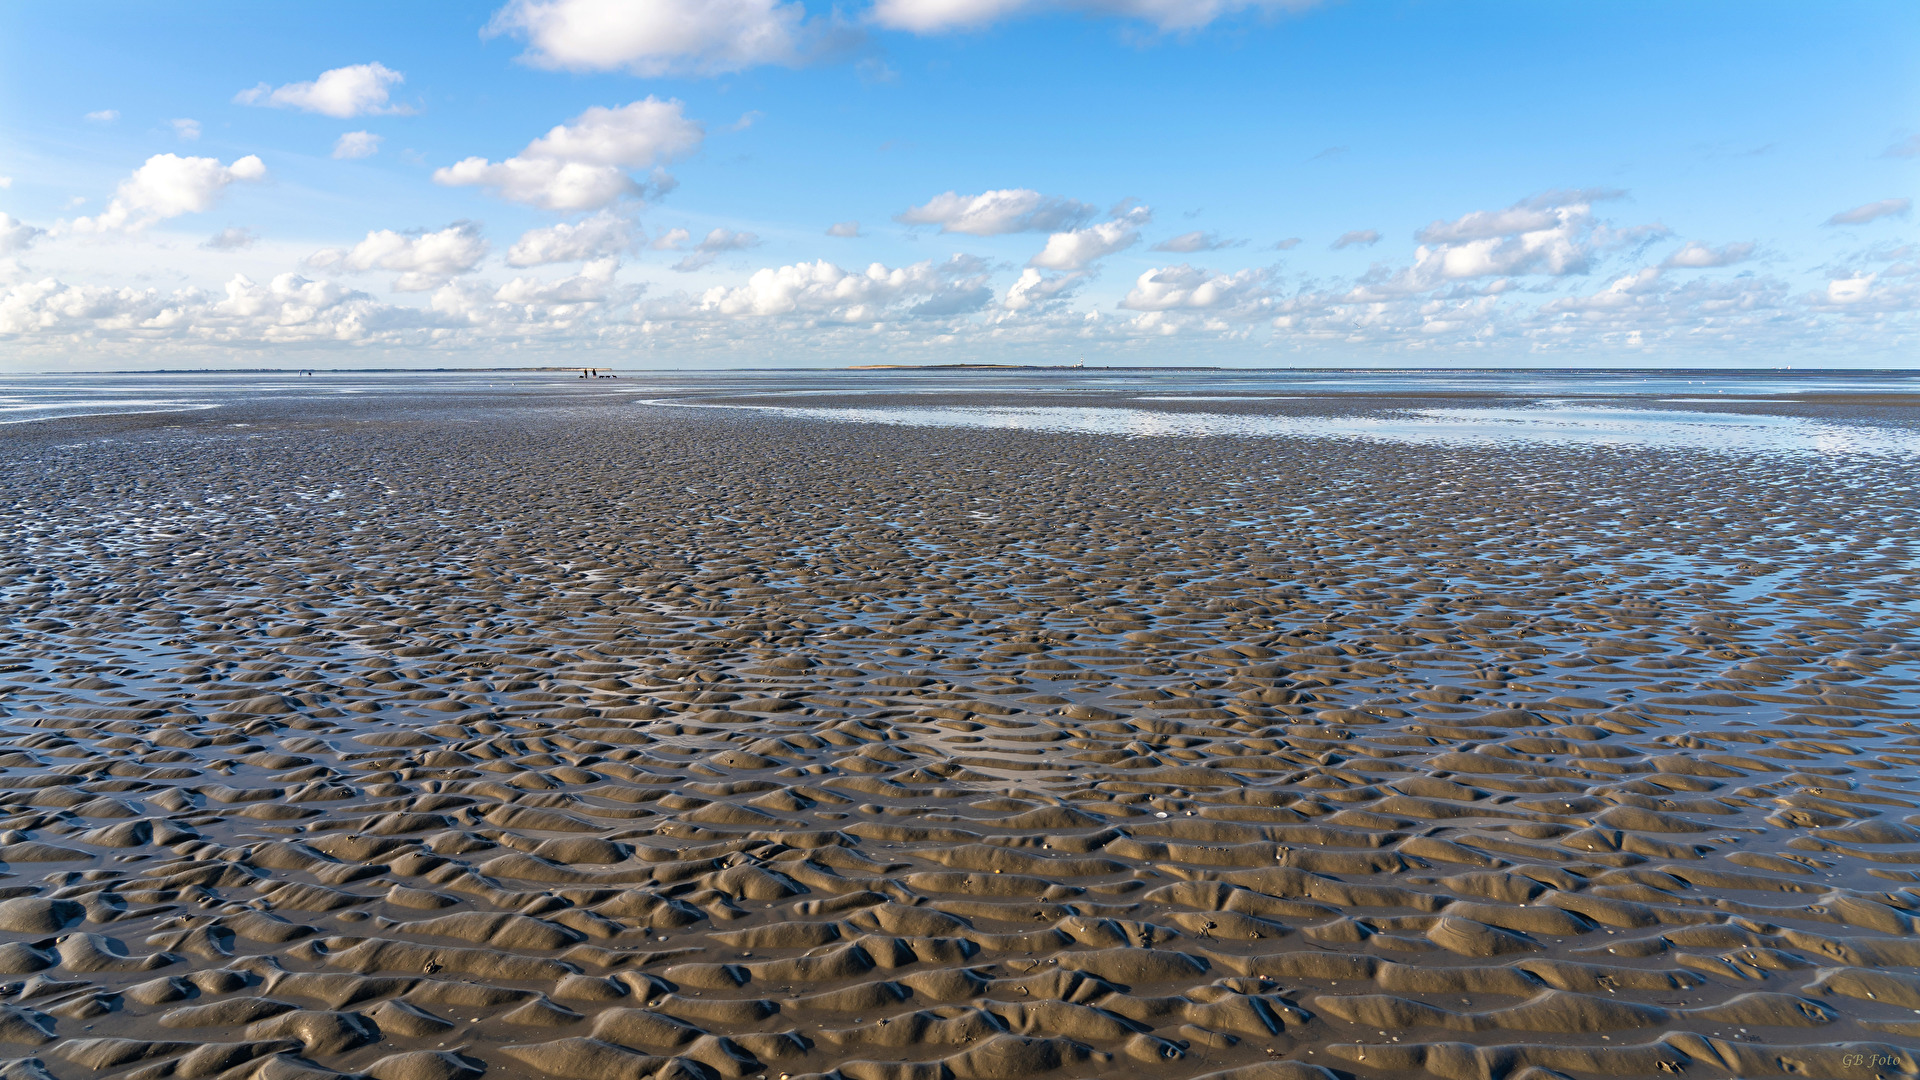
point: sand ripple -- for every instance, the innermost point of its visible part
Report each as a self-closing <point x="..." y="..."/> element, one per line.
<point x="696" y="746"/>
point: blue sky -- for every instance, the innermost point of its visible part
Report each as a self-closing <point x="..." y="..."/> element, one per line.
<point x="652" y="183"/>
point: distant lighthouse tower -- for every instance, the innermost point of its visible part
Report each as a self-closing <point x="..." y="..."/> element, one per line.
<point x="1082" y="362"/>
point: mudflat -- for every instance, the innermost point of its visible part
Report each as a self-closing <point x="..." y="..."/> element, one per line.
<point x="419" y="736"/>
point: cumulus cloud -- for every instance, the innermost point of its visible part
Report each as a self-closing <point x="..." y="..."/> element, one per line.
<point x="231" y="238"/>
<point x="1184" y="286"/>
<point x="584" y="164"/>
<point x="1618" y="294"/>
<point x="53" y="306"/>
<point x="168" y="186"/>
<point x="1544" y="211"/>
<point x="104" y="116"/>
<point x="1491" y="283"/>
<point x="1077" y="248"/>
<point x="935" y="16"/>
<point x="592" y="284"/>
<point x="356" y="144"/>
<point x="717" y="243"/>
<point x="1554" y="233"/>
<point x="709" y="37"/>
<point x="1357" y="238"/>
<point x="1188" y="243"/>
<point x="290" y="308"/>
<point x="342" y="93"/>
<point x="16" y="235"/>
<point x="1699" y="256"/>
<point x="823" y="290"/>
<point x="1873" y="211"/>
<point x="996" y="213"/>
<point x="5" y="182"/>
<point x="938" y="16"/>
<point x="1035" y="290"/>
<point x="658" y="37"/>
<point x="425" y="260"/>
<point x="597" y="237"/>
<point x="1851" y="290"/>
<point x="287" y="299"/>
<point x="187" y="130"/>
<point x="845" y="230"/>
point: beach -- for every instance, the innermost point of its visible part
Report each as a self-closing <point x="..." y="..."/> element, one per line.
<point x="963" y="726"/>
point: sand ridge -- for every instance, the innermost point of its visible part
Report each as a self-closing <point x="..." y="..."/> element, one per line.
<point x="610" y="743"/>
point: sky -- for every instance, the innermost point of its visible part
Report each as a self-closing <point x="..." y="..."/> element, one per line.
<point x="763" y="183"/>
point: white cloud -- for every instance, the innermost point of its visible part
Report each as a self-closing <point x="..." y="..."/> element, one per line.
<point x="1698" y="256"/>
<point x="1618" y="295"/>
<point x="655" y="37"/>
<point x="425" y="259"/>
<point x="583" y="165"/>
<point x="592" y="284"/>
<point x="168" y="186"/>
<point x="945" y="309"/>
<point x="1850" y="290"/>
<point x="936" y="16"/>
<point x="289" y="309"/>
<point x="342" y="93"/>
<point x="1288" y="244"/>
<point x="1076" y="249"/>
<point x="1188" y="243"/>
<point x="597" y="237"/>
<point x="356" y="144"/>
<point x="1357" y="238"/>
<point x="1872" y="211"/>
<point x="16" y="235"/>
<point x="1554" y="233"/>
<point x="187" y="130"/>
<point x="231" y="238"/>
<point x="5" y="182"/>
<point x="1036" y="290"/>
<point x="996" y="213"/>
<point x="52" y="306"/>
<point x="104" y="116"/>
<point x="1545" y="211"/>
<point x="824" y="290"/>
<point x="845" y="230"/>
<point x="1494" y="284"/>
<point x="716" y="243"/>
<point x="288" y="300"/>
<point x="1183" y="286"/>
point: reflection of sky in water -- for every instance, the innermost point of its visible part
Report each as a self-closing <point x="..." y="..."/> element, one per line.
<point x="1733" y="433"/>
<point x="1573" y="411"/>
<point x="18" y="410"/>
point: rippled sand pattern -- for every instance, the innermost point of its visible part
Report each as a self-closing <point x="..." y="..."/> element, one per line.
<point x="611" y="744"/>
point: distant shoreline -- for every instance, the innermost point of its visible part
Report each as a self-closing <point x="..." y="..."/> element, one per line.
<point x="1722" y="372"/>
<point x="1017" y="367"/>
<point x="317" y="371"/>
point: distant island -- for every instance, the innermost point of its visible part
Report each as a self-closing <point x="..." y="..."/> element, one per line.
<point x="328" y="371"/>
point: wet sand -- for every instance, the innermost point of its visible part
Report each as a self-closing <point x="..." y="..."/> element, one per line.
<point x="417" y="738"/>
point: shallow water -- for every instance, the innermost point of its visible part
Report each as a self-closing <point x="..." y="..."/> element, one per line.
<point x="1145" y="384"/>
<point x="1549" y="424"/>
